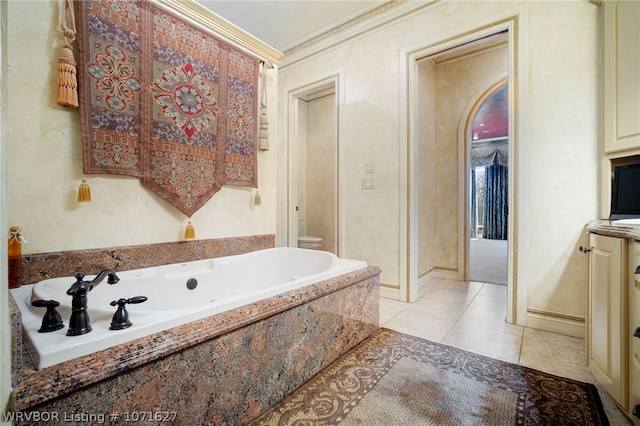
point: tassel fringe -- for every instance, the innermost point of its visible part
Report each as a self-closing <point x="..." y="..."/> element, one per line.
<point x="84" y="192"/>
<point x="67" y="94"/>
<point x="189" y="232"/>
<point x="67" y="81"/>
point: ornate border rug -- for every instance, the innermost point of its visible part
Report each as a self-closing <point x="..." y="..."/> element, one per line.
<point x="396" y="379"/>
<point x="164" y="99"/>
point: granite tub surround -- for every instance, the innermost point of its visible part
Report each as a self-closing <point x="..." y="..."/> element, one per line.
<point x="40" y="266"/>
<point x="612" y="229"/>
<point x="224" y="369"/>
<point x="16" y="342"/>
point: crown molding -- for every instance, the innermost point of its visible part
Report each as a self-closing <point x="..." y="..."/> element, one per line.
<point x="225" y="29"/>
<point x="368" y="21"/>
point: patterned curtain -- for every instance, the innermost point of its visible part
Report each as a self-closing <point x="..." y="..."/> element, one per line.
<point x="474" y="206"/>
<point x="496" y="202"/>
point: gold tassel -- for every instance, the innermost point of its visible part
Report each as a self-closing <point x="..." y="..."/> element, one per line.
<point x="67" y="80"/>
<point x="257" y="199"/>
<point x="67" y="94"/>
<point x="84" y="192"/>
<point x="189" y="232"/>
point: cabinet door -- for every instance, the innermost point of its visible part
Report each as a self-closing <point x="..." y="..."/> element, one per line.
<point x="607" y="315"/>
<point x="621" y="74"/>
<point x="634" y="332"/>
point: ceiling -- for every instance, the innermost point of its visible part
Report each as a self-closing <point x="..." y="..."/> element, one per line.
<point x="492" y="119"/>
<point x="283" y="24"/>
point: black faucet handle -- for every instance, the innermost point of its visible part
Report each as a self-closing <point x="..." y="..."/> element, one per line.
<point x="121" y="317"/>
<point x="132" y="300"/>
<point x="81" y="286"/>
<point x="52" y="320"/>
<point x="45" y="303"/>
<point x="137" y="299"/>
<point x="112" y="278"/>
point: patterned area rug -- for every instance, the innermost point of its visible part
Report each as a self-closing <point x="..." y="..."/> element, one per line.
<point x="396" y="379"/>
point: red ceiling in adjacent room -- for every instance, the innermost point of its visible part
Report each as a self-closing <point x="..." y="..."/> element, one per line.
<point x="492" y="119"/>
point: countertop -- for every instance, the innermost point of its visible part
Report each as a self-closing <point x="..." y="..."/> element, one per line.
<point x="613" y="229"/>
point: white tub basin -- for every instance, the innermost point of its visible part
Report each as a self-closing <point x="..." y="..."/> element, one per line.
<point x="223" y="283"/>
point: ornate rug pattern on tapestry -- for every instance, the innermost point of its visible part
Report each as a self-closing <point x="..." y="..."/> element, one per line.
<point x="165" y="100"/>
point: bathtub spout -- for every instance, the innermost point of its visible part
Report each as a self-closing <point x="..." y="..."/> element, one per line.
<point x="79" y="322"/>
<point x="113" y="278"/>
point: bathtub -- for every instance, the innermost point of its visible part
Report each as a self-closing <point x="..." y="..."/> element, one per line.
<point x="221" y="284"/>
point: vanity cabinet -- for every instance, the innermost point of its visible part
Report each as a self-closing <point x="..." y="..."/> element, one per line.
<point x="613" y="319"/>
<point x="621" y="38"/>
<point x="634" y="331"/>
<point x="607" y="315"/>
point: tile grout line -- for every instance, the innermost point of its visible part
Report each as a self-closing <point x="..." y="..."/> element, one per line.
<point x="461" y="314"/>
<point x="521" y="346"/>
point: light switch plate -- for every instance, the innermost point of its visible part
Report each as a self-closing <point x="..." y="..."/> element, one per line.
<point x="368" y="184"/>
<point x="369" y="168"/>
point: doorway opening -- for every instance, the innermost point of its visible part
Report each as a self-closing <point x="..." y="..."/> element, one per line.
<point x="438" y="176"/>
<point x="488" y="143"/>
<point x="313" y="158"/>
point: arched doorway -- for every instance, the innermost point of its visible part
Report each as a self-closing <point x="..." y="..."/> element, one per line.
<point x="488" y="142"/>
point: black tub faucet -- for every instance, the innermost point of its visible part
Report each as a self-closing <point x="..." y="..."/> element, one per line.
<point x="79" y="322"/>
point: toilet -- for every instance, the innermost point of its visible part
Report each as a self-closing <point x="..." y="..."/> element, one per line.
<point x="310" y="242"/>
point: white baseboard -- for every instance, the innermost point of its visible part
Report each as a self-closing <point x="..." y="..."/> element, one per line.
<point x="556" y="324"/>
<point x="436" y="273"/>
<point x="390" y="292"/>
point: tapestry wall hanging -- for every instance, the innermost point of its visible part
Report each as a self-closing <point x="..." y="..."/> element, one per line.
<point x="166" y="100"/>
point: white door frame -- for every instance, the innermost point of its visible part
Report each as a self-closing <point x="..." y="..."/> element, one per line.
<point x="516" y="297"/>
<point x="294" y="96"/>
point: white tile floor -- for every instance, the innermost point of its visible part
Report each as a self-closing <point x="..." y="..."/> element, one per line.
<point x="471" y="316"/>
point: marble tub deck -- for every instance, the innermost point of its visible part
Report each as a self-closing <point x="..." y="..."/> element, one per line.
<point x="350" y="312"/>
<point x="39" y="266"/>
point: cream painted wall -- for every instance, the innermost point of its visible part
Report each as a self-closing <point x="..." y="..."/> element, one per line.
<point x="446" y="91"/>
<point x="44" y="155"/>
<point x="301" y="169"/>
<point x="321" y="171"/>
<point x="426" y="167"/>
<point x="563" y="152"/>
<point x="558" y="124"/>
<point x="458" y="84"/>
<point x="315" y="169"/>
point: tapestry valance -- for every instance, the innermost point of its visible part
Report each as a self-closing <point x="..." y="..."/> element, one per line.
<point x="164" y="99"/>
<point x="490" y="152"/>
